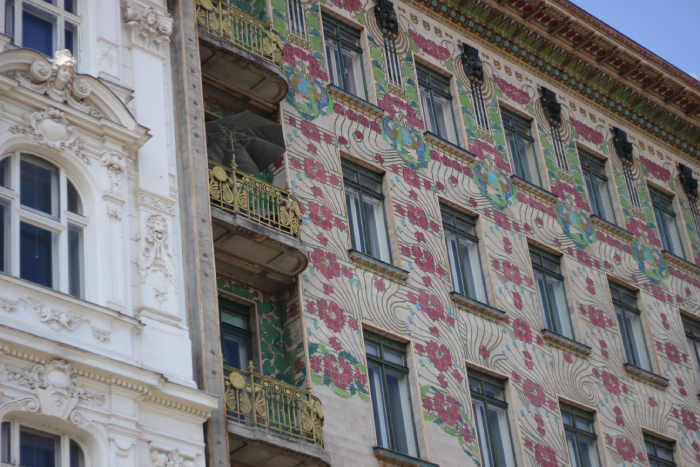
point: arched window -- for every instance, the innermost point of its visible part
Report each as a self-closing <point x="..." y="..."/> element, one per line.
<point x="41" y="236"/>
<point x="30" y="445"/>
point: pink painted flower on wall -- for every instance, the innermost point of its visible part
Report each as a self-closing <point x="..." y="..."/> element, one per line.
<point x="417" y="216"/>
<point x="522" y="331"/>
<point x="424" y="259"/>
<point x="611" y="383"/>
<point x="447" y="409"/>
<point x="321" y="215"/>
<point x="545" y="456"/>
<point x="335" y="343"/>
<point x="431" y="305"/>
<point x="587" y="133"/>
<point x="326" y="263"/>
<point x="430" y="47"/>
<point x="411" y="177"/>
<point x="512" y="273"/>
<point x="439" y="356"/>
<point x="672" y="352"/>
<point x="625" y="449"/>
<point x="535" y="393"/>
<point x="331" y="314"/>
<point x="338" y="370"/>
<point x="596" y="316"/>
<point x="516" y="95"/>
<point x="689" y="419"/>
<point x="311" y="131"/>
<point x="658" y="172"/>
<point x="484" y="352"/>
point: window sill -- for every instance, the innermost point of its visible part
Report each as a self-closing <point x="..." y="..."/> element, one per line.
<point x="478" y="308"/>
<point x="681" y="263"/>
<point x="539" y="193"/>
<point x="378" y="267"/>
<point x="391" y="458"/>
<point x="645" y="376"/>
<point x="566" y="344"/>
<point x="450" y="148"/>
<point x="612" y="229"/>
<point x="355" y="102"/>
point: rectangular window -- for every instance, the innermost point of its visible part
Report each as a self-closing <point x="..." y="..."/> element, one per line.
<point x="45" y="29"/>
<point x="4" y="236"/>
<point x="491" y="417"/>
<point x="344" y="57"/>
<point x="5" y="448"/>
<point x="692" y="335"/>
<point x="38" y="186"/>
<point x="463" y="253"/>
<point x="666" y="220"/>
<point x="5" y="173"/>
<point x="75" y="261"/>
<point x="437" y="104"/>
<point x="235" y="334"/>
<point x="550" y="288"/>
<point x="659" y="451"/>
<point x="580" y="436"/>
<point x="629" y="319"/>
<point x="391" y="401"/>
<point x="37" y="449"/>
<point x="521" y="146"/>
<point x="296" y="16"/>
<point x="597" y="186"/>
<point x="365" y="201"/>
<point x="38" y="249"/>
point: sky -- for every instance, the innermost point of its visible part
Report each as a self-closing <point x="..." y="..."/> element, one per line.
<point x="667" y="28"/>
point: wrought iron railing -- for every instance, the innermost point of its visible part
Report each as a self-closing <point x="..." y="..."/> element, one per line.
<point x="245" y="195"/>
<point x="223" y="20"/>
<point x="257" y="400"/>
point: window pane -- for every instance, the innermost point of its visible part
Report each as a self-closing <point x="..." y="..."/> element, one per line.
<point x="475" y="385"/>
<point x="37" y="248"/>
<point x="235" y="351"/>
<point x="428" y="110"/>
<point x="234" y="319"/>
<point x="4" y="237"/>
<point x="376" y="228"/>
<point x="604" y="200"/>
<point x="74" y="204"/>
<point x="592" y="195"/>
<point x="353" y="73"/>
<point x="399" y="407"/>
<point x="68" y="6"/>
<point x="483" y="433"/>
<point x="76" y="455"/>
<point x="637" y="344"/>
<point x="372" y="349"/>
<point x="357" y="236"/>
<point x="623" y="334"/>
<point x="5" y="452"/>
<point x="573" y="449"/>
<point x="529" y="165"/>
<point x="38" y="449"/>
<point x="445" y="123"/>
<point x="693" y="346"/>
<point x="349" y="175"/>
<point x="370" y="184"/>
<point x="39" y="187"/>
<point x="544" y="304"/>
<point x="584" y="425"/>
<point x="70" y="37"/>
<point x="333" y="55"/>
<point x="514" y="157"/>
<point x="453" y="255"/>
<point x="494" y="392"/>
<point x="393" y="357"/>
<point x="378" y="408"/>
<point x="473" y="280"/>
<point x="664" y="454"/>
<point x="5" y="172"/>
<point x="75" y="261"/>
<point x="589" y="453"/>
<point x="674" y="236"/>
<point x="500" y="437"/>
<point x="567" y="419"/>
<point x="560" y="314"/>
<point x="38" y="30"/>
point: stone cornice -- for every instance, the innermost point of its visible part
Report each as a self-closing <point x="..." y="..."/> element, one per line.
<point x="355" y="102"/>
<point x="681" y="263"/>
<point x="541" y="194"/>
<point x="612" y="229"/>
<point x="480" y="309"/>
<point x="611" y="93"/>
<point x="646" y="377"/>
<point x="566" y="344"/>
<point x="378" y="267"/>
<point x="449" y="148"/>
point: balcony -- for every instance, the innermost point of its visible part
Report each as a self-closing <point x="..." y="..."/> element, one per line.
<point x="256" y="229"/>
<point x="271" y="423"/>
<point x="236" y="44"/>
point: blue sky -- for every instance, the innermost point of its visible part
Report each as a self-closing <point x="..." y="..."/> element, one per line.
<point x="667" y="28"/>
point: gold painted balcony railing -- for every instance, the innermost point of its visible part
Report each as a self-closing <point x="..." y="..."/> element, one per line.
<point x="223" y="20"/>
<point x="281" y="408"/>
<point x="245" y="195"/>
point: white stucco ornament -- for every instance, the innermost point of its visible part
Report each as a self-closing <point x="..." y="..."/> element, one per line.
<point x="155" y="258"/>
<point x="57" y="389"/>
<point x="115" y="165"/>
<point x="52" y="129"/>
<point x="148" y="26"/>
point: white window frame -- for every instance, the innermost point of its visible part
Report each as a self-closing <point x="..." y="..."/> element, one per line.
<point x="65" y="439"/>
<point x="59" y="225"/>
<point x="55" y="8"/>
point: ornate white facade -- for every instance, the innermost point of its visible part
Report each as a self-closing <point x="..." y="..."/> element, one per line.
<point x="95" y="351"/>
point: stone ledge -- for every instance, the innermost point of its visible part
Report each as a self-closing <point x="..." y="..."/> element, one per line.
<point x="389" y="458"/>
<point x="355" y="102"/>
<point x="449" y="148"/>
<point x="612" y="229"/>
<point x="539" y="193"/>
<point x="647" y="377"/>
<point x="378" y="267"/>
<point x="478" y="308"/>
<point x="680" y="263"/>
<point x="566" y="344"/>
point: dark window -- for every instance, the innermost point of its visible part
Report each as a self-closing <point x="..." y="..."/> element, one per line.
<point x="666" y="220"/>
<point x="692" y="334"/>
<point x="437" y="104"/>
<point x="580" y="436"/>
<point x="391" y="400"/>
<point x="296" y="16"/>
<point x="39" y="186"/>
<point x="521" y="146"/>
<point x="629" y="319"/>
<point x="365" y="203"/>
<point x="6" y="447"/>
<point x="491" y="417"/>
<point x="235" y="334"/>
<point x="463" y="253"/>
<point x="37" y="449"/>
<point x="37" y="250"/>
<point x="659" y="451"/>
<point x="597" y="186"/>
<point x="550" y="288"/>
<point x="344" y="56"/>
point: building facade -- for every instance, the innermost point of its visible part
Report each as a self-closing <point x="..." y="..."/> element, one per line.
<point x="479" y="248"/>
<point x="95" y="351"/>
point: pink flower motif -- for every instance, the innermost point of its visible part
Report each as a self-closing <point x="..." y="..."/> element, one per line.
<point x="517" y="95"/>
<point x="338" y="370"/>
<point x="326" y="263"/>
<point x="587" y="133"/>
<point x="359" y="135"/>
<point x="375" y="127"/>
<point x="431" y="305"/>
<point x="379" y="284"/>
<point x="516" y="376"/>
<point x="364" y="121"/>
<point x="331" y="314"/>
<point x="317" y="192"/>
<point x="339" y="224"/>
<point x="379" y="158"/>
<point x="423" y="259"/>
<point x="484" y="352"/>
<point x="439" y="356"/>
<point x="312" y="149"/>
<point x="442" y="381"/>
<point x="315" y="361"/>
<point x="338" y="109"/>
<point x="322" y="238"/>
<point x="427" y="404"/>
<point x="522" y="331"/>
<point x="596" y="317"/>
<point x="652" y="402"/>
<point x="467" y="435"/>
<point x="552" y="404"/>
<point x="335" y="343"/>
<point x="327" y="289"/>
<point x="625" y="449"/>
<point x="568" y="358"/>
<point x="310" y="130"/>
<point x="431" y="48"/>
<point x="672" y="352"/>
<point x="517" y="301"/>
<point x="535" y="393"/>
<point x="417" y="216"/>
<point x="346" y="272"/>
<point x="447" y="409"/>
<point x="354" y="324"/>
<point x="457" y="375"/>
<point x="342" y="140"/>
<point x="689" y="419"/>
<point x="320" y="215"/>
<point x="427" y="281"/>
<point x="512" y="273"/>
<point x="545" y="456"/>
<point x="420" y="238"/>
<point x="611" y="383"/>
<point x="411" y="178"/>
